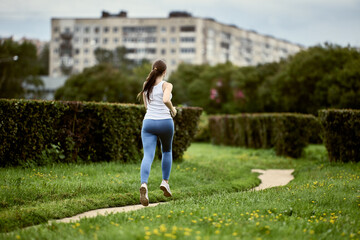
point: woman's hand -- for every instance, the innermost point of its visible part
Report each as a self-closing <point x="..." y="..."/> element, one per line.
<point x="173" y="112"/>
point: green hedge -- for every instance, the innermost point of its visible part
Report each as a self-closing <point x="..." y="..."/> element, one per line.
<point x="288" y="133"/>
<point x="41" y="131"/>
<point x="341" y="128"/>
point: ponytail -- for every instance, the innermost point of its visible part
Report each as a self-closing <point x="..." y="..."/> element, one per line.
<point x="157" y="70"/>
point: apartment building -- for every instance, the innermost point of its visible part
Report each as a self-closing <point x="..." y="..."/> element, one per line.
<point x="178" y="38"/>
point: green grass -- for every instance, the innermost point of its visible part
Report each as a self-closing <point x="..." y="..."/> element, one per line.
<point x="321" y="203"/>
<point x="31" y="196"/>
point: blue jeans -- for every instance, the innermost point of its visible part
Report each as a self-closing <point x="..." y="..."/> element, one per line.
<point x="151" y="130"/>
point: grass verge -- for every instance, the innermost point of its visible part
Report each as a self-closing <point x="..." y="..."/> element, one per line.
<point x="30" y="196"/>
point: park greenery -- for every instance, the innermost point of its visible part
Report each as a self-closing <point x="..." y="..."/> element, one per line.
<point x="322" y="76"/>
<point x="114" y="79"/>
<point x="322" y="201"/>
<point x="319" y="77"/>
<point x="20" y="68"/>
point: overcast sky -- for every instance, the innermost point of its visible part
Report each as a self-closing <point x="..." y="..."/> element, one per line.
<point x="306" y="22"/>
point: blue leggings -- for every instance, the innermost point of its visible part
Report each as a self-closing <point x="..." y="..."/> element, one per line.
<point x="151" y="130"/>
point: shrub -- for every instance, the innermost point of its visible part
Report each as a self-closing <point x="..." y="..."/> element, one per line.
<point x="341" y="134"/>
<point x="203" y="134"/>
<point x="86" y="131"/>
<point x="288" y="133"/>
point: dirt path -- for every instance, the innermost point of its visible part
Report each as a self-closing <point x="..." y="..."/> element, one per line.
<point x="269" y="178"/>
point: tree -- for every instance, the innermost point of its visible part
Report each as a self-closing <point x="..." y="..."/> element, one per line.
<point x="44" y="60"/>
<point x="104" y="82"/>
<point x="18" y="67"/>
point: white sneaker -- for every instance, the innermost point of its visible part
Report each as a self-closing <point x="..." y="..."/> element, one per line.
<point x="166" y="189"/>
<point x="144" y="199"/>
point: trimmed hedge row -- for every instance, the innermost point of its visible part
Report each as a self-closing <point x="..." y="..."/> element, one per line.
<point x="288" y="133"/>
<point x="34" y="131"/>
<point x="341" y="129"/>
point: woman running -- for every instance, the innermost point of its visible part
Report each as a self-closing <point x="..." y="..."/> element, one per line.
<point x="158" y="122"/>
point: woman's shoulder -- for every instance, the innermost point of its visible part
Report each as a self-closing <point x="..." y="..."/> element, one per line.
<point x="167" y="85"/>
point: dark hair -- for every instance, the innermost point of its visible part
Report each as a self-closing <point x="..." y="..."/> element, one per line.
<point x="158" y="68"/>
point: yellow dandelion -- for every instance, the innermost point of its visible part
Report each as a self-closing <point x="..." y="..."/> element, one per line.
<point x="158" y="216"/>
<point x="234" y="234"/>
<point x="187" y="233"/>
<point x="142" y="217"/>
<point x="217" y="232"/>
<point x="162" y="228"/>
<point x="18" y="237"/>
<point x="257" y="224"/>
<point x="193" y="221"/>
<point x="312" y="232"/>
<point x="77" y="224"/>
<point x="147" y="237"/>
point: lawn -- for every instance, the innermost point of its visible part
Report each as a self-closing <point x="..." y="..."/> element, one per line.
<point x="210" y="199"/>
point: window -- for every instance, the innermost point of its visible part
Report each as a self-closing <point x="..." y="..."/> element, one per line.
<point x="77" y="51"/>
<point x="96" y="29"/>
<point x="163" y="29"/>
<point x="86" y="29"/>
<point x="163" y="51"/>
<point x="105" y="40"/>
<point x="173" y="40"/>
<point x="116" y="40"/>
<point x="86" y="50"/>
<point x="57" y="39"/>
<point x="150" y="50"/>
<point x="77" y="29"/>
<point x="148" y="29"/>
<point x="56" y="50"/>
<point x="86" y="61"/>
<point x="173" y="62"/>
<point x="225" y="36"/>
<point x="67" y="30"/>
<point x="150" y="39"/>
<point x="187" y="39"/>
<point x="115" y="29"/>
<point x="56" y="29"/>
<point x="173" y="50"/>
<point x="96" y="40"/>
<point x="225" y="45"/>
<point x="187" y="29"/>
<point x="76" y="40"/>
<point x="86" y="40"/>
<point x="163" y="40"/>
<point x="187" y="50"/>
<point x="106" y="29"/>
<point x="173" y="29"/>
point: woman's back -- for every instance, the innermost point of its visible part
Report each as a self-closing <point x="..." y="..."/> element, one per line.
<point x="156" y="109"/>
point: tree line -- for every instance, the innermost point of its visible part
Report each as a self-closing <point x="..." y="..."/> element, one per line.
<point x="322" y="76"/>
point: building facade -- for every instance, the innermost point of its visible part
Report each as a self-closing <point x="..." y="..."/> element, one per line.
<point x="175" y="39"/>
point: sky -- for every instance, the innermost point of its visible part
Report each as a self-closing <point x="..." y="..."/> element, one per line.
<point x="305" y="22"/>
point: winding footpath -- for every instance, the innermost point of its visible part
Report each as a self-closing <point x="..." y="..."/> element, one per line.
<point x="269" y="178"/>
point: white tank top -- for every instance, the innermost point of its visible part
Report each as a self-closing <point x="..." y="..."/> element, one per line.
<point x="156" y="109"/>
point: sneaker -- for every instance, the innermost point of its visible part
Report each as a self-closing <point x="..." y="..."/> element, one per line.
<point x="166" y="189"/>
<point x="144" y="199"/>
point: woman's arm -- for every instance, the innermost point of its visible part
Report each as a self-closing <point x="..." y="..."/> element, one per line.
<point x="166" y="98"/>
<point x="144" y="97"/>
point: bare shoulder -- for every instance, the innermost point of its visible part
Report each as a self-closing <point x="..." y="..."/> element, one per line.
<point x="167" y="84"/>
